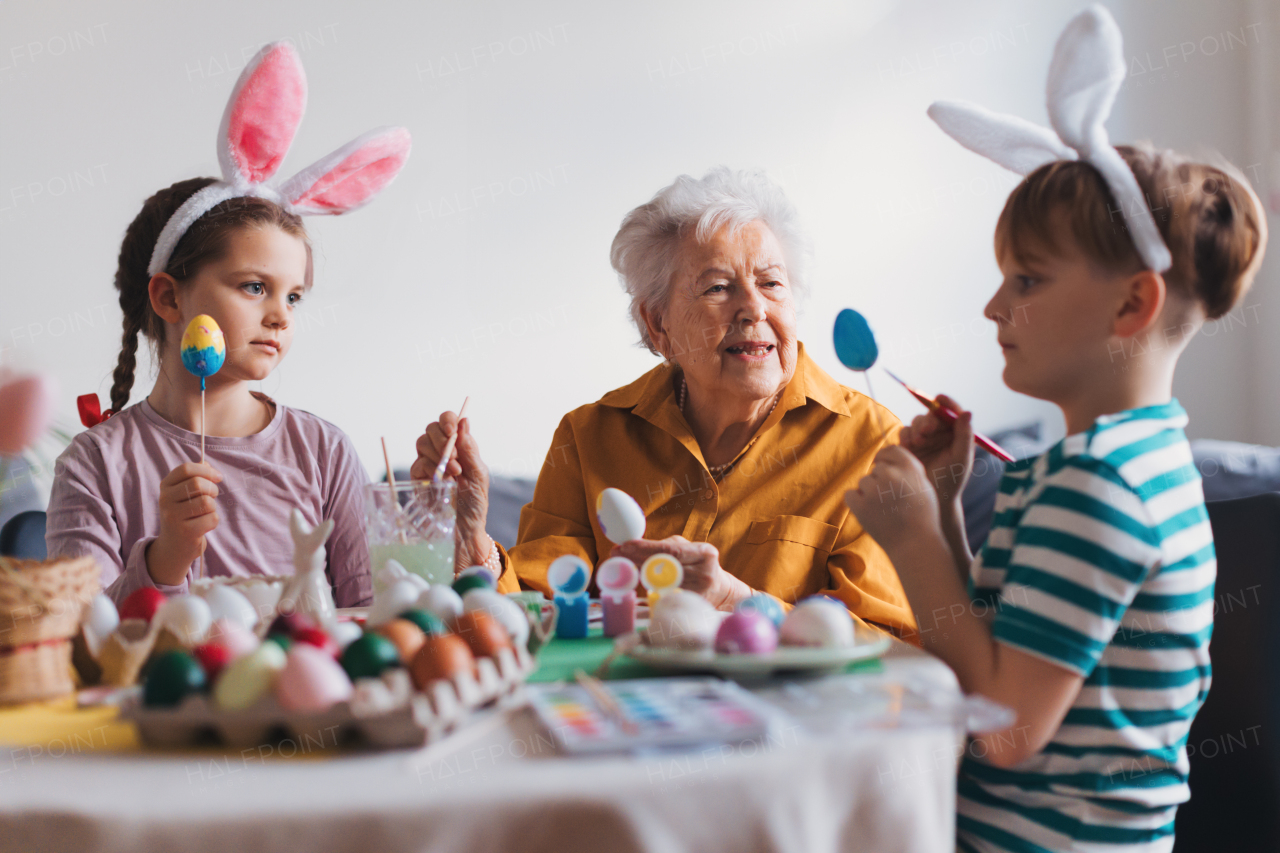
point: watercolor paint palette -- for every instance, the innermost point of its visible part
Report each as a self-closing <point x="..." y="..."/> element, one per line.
<point x="664" y="713"/>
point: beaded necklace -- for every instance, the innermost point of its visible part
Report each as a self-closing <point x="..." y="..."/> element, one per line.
<point x="718" y="471"/>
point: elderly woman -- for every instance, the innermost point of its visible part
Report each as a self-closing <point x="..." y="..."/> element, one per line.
<point x="738" y="446"/>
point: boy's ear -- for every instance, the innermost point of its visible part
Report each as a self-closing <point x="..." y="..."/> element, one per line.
<point x="163" y="293"/>
<point x="1144" y="298"/>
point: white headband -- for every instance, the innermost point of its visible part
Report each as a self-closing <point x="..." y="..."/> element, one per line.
<point x="1086" y="72"/>
<point x="258" y="126"/>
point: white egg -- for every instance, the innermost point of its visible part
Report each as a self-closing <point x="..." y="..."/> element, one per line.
<point x="345" y="633"/>
<point x="683" y="620"/>
<point x="393" y="601"/>
<point x="441" y="602"/>
<point x="817" y="623"/>
<point x="99" y="619"/>
<point x="508" y="613"/>
<point x="621" y="518"/>
<point x="187" y="616"/>
<point x="226" y="603"/>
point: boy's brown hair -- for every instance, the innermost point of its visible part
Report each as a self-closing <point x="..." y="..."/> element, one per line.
<point x="1211" y="221"/>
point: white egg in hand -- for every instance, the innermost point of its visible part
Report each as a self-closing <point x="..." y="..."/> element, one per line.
<point x="621" y="518"/>
<point x="188" y="617"/>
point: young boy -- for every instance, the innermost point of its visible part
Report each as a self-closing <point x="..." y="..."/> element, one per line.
<point x="1089" y="610"/>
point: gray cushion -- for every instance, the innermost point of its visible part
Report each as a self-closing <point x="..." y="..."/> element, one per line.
<point x="1231" y="469"/>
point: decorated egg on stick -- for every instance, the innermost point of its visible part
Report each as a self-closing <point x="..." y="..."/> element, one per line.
<point x="204" y="349"/>
<point x="621" y="518"/>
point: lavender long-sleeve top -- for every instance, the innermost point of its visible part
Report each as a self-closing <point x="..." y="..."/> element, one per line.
<point x="105" y="500"/>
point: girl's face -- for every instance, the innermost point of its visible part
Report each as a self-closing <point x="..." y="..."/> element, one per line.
<point x="252" y="292"/>
<point x="1055" y="320"/>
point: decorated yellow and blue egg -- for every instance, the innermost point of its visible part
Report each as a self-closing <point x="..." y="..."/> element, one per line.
<point x="203" y="347"/>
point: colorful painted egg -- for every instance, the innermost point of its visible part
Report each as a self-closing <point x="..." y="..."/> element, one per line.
<point x="482" y="633"/>
<point x="405" y="636"/>
<point x="171" y="677"/>
<point x="683" y="620"/>
<point x="247" y="679"/>
<point x="369" y="656"/>
<point x="203" y="346"/>
<point x="213" y="658"/>
<point x="237" y="639"/>
<point x="428" y="622"/>
<point x="463" y="584"/>
<point x="509" y="614"/>
<point x="483" y="572"/>
<point x="818" y="621"/>
<point x="311" y="680"/>
<point x="445" y="656"/>
<point x="569" y="575"/>
<point x="621" y="518"/>
<point x="766" y="604"/>
<point x="854" y="341"/>
<point x="318" y="638"/>
<point x="142" y="604"/>
<point x="747" y="632"/>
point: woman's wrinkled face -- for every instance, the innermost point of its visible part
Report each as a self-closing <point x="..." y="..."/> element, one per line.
<point x="730" y="318"/>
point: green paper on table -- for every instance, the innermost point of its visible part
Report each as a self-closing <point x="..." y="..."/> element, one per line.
<point x="560" y="659"/>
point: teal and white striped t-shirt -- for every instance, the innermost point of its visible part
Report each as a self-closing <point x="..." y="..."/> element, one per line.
<point x="1100" y="560"/>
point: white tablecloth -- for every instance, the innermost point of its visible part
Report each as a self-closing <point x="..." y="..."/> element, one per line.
<point x="829" y="783"/>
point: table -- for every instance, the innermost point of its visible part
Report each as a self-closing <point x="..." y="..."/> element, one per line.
<point x="830" y="783"/>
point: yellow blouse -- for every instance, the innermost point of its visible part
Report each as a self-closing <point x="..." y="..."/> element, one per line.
<point x="777" y="518"/>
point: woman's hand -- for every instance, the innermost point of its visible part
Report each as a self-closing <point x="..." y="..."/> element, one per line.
<point x="187" y="513"/>
<point x="472" y="475"/>
<point x="896" y="504"/>
<point x="945" y="449"/>
<point x="702" y="571"/>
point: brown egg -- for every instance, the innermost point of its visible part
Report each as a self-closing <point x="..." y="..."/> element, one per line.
<point x="405" y="636"/>
<point x="484" y="634"/>
<point x="441" y="656"/>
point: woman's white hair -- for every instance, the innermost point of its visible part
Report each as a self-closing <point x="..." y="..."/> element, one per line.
<point x="644" y="252"/>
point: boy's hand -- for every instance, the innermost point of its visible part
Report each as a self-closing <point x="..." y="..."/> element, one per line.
<point x="945" y="449"/>
<point x="187" y="513"/>
<point x="895" y="503"/>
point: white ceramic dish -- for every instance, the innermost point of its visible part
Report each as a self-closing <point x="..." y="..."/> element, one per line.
<point x="869" y="644"/>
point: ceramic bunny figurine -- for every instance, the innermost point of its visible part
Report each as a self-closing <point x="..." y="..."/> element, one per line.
<point x="308" y="590"/>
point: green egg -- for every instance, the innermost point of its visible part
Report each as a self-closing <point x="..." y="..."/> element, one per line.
<point x="369" y="656"/>
<point x="466" y="583"/>
<point x="428" y="622"/>
<point x="172" y="676"/>
<point x="284" y="641"/>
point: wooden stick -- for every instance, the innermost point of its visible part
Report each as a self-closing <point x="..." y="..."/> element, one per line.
<point x="395" y="497"/>
<point x="605" y="700"/>
<point x="206" y="543"/>
<point x="448" y="445"/>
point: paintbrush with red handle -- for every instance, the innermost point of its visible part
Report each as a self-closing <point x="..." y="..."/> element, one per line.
<point x="947" y="414"/>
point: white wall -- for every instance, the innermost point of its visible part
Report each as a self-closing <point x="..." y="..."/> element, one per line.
<point x="484" y="271"/>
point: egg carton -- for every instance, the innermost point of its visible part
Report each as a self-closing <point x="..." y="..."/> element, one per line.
<point x="382" y="713"/>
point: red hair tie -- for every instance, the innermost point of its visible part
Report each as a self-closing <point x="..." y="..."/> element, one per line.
<point x="91" y="413"/>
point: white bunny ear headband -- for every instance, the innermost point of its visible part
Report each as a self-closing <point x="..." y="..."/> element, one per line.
<point x="1086" y="72"/>
<point x="257" y="128"/>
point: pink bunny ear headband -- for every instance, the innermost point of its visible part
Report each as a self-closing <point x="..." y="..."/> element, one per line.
<point x="257" y="129"/>
<point x="1086" y="72"/>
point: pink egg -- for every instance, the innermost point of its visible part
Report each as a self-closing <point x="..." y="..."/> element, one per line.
<point x="26" y="406"/>
<point x="747" y="632"/>
<point x="234" y="637"/>
<point x="311" y="680"/>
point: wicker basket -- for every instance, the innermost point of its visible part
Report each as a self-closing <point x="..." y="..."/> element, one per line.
<point x="40" y="607"/>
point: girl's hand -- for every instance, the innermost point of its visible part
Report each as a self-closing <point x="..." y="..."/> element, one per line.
<point x="472" y="475"/>
<point x="945" y="449"/>
<point x="702" y="571"/>
<point x="187" y="513"/>
<point x="895" y="504"/>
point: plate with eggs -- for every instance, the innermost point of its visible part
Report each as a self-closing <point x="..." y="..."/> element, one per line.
<point x="757" y="639"/>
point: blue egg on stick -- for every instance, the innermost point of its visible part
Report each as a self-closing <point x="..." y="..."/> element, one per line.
<point x="854" y="341"/>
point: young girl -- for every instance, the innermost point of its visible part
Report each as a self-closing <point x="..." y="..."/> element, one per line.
<point x="131" y="490"/>
<point x="1089" y="610"/>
